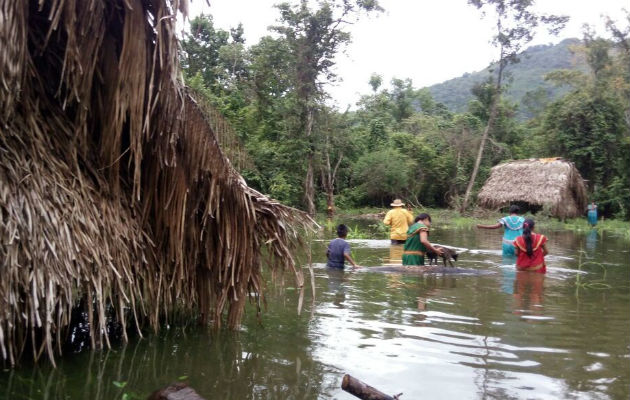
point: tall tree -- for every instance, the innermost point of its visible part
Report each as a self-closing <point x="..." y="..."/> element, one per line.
<point x="589" y="125"/>
<point x="315" y="36"/>
<point x="515" y="24"/>
<point x="621" y="38"/>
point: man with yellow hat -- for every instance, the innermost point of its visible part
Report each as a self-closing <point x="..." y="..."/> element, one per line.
<point x="399" y="219"/>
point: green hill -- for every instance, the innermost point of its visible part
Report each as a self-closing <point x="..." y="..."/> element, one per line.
<point x="523" y="77"/>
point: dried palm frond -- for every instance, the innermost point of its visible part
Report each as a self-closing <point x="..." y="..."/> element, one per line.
<point x="113" y="186"/>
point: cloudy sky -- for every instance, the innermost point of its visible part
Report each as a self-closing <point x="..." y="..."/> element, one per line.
<point x="429" y="41"/>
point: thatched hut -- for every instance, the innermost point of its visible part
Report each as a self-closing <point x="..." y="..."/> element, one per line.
<point x="552" y="183"/>
<point x="114" y="192"/>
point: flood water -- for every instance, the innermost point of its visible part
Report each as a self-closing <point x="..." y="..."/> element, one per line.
<point x="499" y="335"/>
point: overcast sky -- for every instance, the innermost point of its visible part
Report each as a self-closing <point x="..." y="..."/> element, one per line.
<point x="429" y="41"/>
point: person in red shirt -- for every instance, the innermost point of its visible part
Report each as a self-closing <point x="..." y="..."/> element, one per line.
<point x="530" y="249"/>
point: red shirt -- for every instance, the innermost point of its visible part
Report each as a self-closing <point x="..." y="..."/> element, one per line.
<point x="537" y="261"/>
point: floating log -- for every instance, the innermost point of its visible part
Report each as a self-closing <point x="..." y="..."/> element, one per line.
<point x="175" y="391"/>
<point x="363" y="391"/>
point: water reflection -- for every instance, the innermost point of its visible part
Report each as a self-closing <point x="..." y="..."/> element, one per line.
<point x="508" y="274"/>
<point x="591" y="240"/>
<point x="428" y="336"/>
<point x="336" y="285"/>
<point x="395" y="254"/>
<point x="528" y="293"/>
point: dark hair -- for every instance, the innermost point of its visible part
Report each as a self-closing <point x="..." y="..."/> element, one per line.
<point x="342" y="230"/>
<point x="528" y="225"/>
<point x="422" y="216"/>
<point x="514" y="209"/>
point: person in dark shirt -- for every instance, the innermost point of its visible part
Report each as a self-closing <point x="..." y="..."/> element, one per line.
<point x="339" y="250"/>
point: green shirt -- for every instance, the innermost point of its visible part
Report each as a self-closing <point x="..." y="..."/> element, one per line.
<point x="414" y="245"/>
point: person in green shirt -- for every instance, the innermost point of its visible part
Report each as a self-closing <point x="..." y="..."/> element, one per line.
<point x="417" y="242"/>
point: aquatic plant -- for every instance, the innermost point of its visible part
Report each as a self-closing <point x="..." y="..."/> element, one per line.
<point x="594" y="284"/>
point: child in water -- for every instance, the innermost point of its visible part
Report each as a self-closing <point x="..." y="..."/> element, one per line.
<point x="512" y="228"/>
<point x="531" y="249"/>
<point x="339" y="250"/>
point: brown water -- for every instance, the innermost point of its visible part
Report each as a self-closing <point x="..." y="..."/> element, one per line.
<point x="503" y="335"/>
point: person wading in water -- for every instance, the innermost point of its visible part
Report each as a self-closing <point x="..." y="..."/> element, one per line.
<point x="417" y="242"/>
<point x="399" y="219"/>
<point x="531" y="249"/>
<point x="512" y="228"/>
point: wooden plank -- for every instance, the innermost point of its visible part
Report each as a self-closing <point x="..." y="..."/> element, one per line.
<point x="175" y="391"/>
<point x="364" y="391"/>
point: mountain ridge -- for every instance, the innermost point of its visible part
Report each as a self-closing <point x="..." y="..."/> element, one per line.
<point x="522" y="77"/>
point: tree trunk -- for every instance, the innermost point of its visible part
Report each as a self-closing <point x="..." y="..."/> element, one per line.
<point x="482" y="145"/>
<point x="330" y="203"/>
<point x="363" y="391"/>
<point x="493" y="113"/>
<point x="309" y="186"/>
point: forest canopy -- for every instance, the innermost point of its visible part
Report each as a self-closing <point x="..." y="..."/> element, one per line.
<point x="400" y="141"/>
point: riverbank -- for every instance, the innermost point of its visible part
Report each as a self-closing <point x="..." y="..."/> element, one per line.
<point x="452" y="219"/>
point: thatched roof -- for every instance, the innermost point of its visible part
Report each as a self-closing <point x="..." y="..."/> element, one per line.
<point x="113" y="188"/>
<point x="553" y="183"/>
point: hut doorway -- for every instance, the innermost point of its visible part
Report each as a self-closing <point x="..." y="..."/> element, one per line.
<point x="524" y="206"/>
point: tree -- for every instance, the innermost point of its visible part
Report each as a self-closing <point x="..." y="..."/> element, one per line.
<point x="314" y="37"/>
<point x="375" y="82"/>
<point x="381" y="174"/>
<point x="201" y="48"/>
<point x="589" y="125"/>
<point x="336" y="143"/>
<point x="621" y="38"/>
<point x="515" y="28"/>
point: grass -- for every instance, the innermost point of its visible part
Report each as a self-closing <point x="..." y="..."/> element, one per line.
<point x="451" y="219"/>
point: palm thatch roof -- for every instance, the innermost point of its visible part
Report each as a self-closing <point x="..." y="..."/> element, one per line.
<point x="113" y="187"/>
<point x="552" y="183"/>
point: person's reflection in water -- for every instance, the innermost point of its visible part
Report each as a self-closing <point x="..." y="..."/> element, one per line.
<point x="423" y="299"/>
<point x="591" y="240"/>
<point x="508" y="274"/>
<point x="528" y="293"/>
<point x="395" y="254"/>
<point x="336" y="285"/>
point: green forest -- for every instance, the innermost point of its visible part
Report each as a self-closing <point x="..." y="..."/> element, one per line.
<point x="400" y="140"/>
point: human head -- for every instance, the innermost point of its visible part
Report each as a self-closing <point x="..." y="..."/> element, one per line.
<point x="514" y="209"/>
<point x="528" y="228"/>
<point x="397" y="203"/>
<point x="425" y="218"/>
<point x="529" y="224"/>
<point x="342" y="231"/>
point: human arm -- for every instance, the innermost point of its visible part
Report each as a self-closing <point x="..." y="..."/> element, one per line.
<point x="348" y="258"/>
<point x="495" y="226"/>
<point x="544" y="249"/>
<point x="388" y="218"/>
<point x="424" y="239"/>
